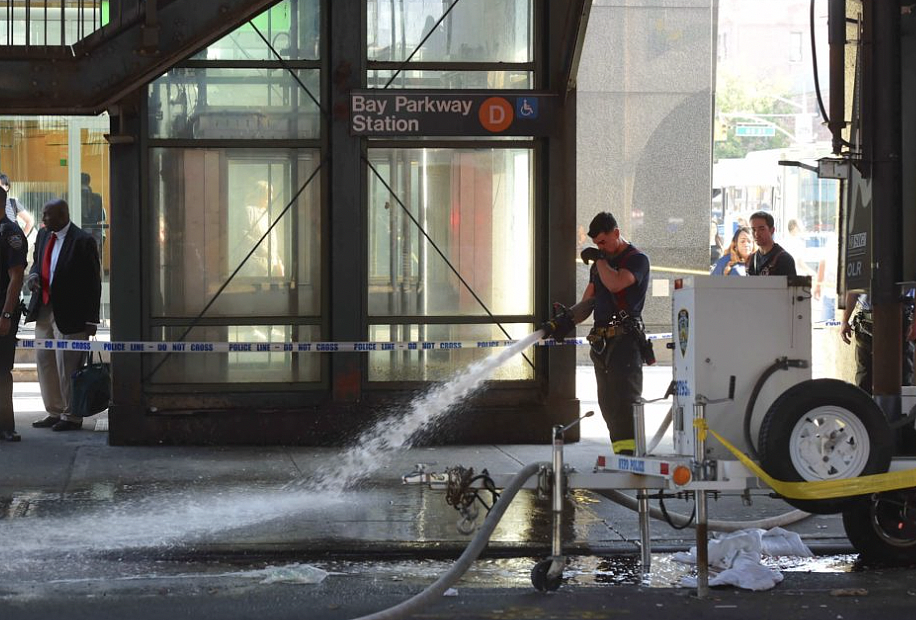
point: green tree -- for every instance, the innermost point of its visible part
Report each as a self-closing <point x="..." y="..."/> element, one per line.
<point x="734" y="98"/>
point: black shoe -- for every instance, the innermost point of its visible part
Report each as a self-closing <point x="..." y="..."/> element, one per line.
<point x="10" y="436"/>
<point x="67" y="425"/>
<point x="47" y="422"/>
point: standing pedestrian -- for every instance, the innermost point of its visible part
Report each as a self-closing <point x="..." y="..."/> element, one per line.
<point x="14" y="209"/>
<point x="770" y="259"/>
<point x="14" y="250"/>
<point x="734" y="262"/>
<point x="66" y="286"/>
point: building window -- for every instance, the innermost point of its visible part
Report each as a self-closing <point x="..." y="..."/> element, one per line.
<point x="796" y="50"/>
<point x="476" y="205"/>
<point x="722" y="50"/>
<point x="235" y="202"/>
<point x="478" y="44"/>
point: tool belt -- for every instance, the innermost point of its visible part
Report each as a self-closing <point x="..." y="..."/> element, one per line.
<point x="863" y="324"/>
<point x="618" y="325"/>
<point x="600" y="337"/>
<point x="609" y="331"/>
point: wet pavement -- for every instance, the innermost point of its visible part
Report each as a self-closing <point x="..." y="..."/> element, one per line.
<point x="192" y="528"/>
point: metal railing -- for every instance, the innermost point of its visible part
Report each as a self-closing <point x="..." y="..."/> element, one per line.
<point x="39" y="24"/>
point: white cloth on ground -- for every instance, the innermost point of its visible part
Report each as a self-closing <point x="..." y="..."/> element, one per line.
<point x="736" y="558"/>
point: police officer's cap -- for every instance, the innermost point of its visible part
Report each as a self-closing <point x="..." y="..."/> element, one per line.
<point x="604" y="222"/>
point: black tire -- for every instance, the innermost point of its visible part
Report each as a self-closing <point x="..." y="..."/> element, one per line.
<point x="793" y="413"/>
<point x="882" y="527"/>
<point x="540" y="580"/>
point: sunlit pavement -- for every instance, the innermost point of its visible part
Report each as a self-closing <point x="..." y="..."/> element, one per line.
<point x="227" y="498"/>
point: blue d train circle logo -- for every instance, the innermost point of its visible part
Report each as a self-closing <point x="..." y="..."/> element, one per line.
<point x="683" y="328"/>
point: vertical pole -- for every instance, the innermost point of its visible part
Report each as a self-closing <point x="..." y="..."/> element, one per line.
<point x="642" y="496"/>
<point x="887" y="214"/>
<point x="348" y="239"/>
<point x="556" y="546"/>
<point x="836" y="39"/>
<point x="699" y="455"/>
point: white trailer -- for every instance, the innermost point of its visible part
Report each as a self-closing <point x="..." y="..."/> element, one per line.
<point x="742" y="371"/>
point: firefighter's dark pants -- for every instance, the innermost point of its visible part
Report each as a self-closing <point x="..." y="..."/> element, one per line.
<point x="618" y="373"/>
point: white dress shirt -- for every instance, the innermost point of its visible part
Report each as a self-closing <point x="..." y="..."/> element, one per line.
<point x="55" y="251"/>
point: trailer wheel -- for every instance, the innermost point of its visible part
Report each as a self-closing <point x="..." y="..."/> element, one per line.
<point x="824" y="429"/>
<point x="540" y="580"/>
<point x="882" y="527"/>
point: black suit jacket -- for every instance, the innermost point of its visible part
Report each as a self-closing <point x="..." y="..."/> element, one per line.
<point x="76" y="290"/>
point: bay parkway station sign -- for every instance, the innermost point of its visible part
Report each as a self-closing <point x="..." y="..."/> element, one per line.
<point x="379" y="113"/>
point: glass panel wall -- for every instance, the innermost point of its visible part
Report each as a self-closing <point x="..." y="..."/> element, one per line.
<point x="255" y="104"/>
<point x="438" y="215"/>
<point x="64" y="22"/>
<point x="235" y="216"/>
<point x="476" y="207"/>
<point x="473" y="31"/>
<point x="472" y="44"/>
<point x="50" y="157"/>
<point x="225" y="211"/>
<point x="438" y="364"/>
<point x="238" y="367"/>
<point x="291" y="27"/>
<point x="466" y="80"/>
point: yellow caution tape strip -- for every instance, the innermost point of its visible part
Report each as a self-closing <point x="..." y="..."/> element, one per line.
<point x="826" y="489"/>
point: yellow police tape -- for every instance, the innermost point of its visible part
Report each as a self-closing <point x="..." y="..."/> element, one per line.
<point x="821" y="489"/>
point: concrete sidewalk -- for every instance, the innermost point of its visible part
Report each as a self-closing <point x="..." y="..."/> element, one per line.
<point x="70" y="474"/>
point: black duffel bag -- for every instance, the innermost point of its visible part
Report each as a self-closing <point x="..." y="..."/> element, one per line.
<point x="91" y="388"/>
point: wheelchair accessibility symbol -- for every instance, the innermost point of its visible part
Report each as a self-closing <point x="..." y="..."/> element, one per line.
<point x="526" y="107"/>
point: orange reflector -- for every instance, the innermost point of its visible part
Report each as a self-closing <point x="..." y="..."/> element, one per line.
<point x="678" y="284"/>
<point x="681" y="475"/>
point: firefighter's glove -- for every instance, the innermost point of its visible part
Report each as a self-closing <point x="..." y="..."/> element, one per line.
<point x="559" y="326"/>
<point x="591" y="255"/>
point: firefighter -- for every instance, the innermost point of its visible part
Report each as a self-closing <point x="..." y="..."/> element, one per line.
<point x="616" y="292"/>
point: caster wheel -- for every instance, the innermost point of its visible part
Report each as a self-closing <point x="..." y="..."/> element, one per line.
<point x="540" y="580"/>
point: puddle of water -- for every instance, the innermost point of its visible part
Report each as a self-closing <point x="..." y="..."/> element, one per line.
<point x="841" y="563"/>
<point x="626" y="570"/>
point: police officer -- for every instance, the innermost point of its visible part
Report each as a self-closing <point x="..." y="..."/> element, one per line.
<point x="13" y="252"/>
<point x="862" y="326"/>
<point x="618" y="281"/>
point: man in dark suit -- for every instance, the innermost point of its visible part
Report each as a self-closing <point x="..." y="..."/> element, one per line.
<point x="66" y="287"/>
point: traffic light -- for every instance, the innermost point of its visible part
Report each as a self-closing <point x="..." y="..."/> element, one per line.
<point x="719" y="130"/>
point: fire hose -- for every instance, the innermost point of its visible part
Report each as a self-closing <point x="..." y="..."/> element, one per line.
<point x="435" y="590"/>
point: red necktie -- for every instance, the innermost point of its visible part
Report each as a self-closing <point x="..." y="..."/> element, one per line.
<point x="46" y="270"/>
